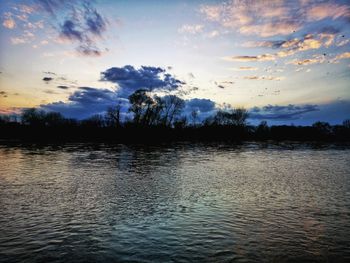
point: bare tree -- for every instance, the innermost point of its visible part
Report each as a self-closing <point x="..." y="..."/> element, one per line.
<point x="239" y="116"/>
<point x="173" y="106"/>
<point x="113" y="116"/>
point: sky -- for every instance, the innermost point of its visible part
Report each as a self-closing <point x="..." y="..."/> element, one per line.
<point x="285" y="61"/>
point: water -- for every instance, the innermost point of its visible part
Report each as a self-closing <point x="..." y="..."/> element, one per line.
<point x="175" y="203"/>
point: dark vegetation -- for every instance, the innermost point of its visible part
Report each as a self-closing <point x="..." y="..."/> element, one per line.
<point x="160" y="119"/>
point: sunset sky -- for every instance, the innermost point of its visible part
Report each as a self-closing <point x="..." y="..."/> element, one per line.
<point x="285" y="61"/>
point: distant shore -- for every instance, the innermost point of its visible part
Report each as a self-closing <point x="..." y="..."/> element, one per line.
<point x="131" y="133"/>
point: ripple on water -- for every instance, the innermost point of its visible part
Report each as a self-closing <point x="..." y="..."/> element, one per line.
<point x="183" y="203"/>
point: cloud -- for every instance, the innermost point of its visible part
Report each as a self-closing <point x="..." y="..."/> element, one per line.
<point x="271" y="18"/>
<point x="87" y="101"/>
<point x="263" y="57"/>
<point x="343" y="42"/>
<point x="26" y="9"/>
<point x="203" y="107"/>
<point x="47" y="79"/>
<point x="263" y="78"/>
<point x="292" y="46"/>
<point x="270" y="29"/>
<point x="270" y="44"/>
<point x="316" y="59"/>
<point x="9" y="23"/>
<point x="85" y="30"/>
<point x="82" y="24"/>
<point x="90" y="50"/>
<point x="263" y="18"/>
<point x="327" y="10"/>
<point x="213" y="34"/>
<point x="95" y="22"/>
<point x="130" y="79"/>
<point x="191" y="29"/>
<point x="49" y="73"/>
<point x="334" y="112"/>
<point x="18" y="40"/>
<point x="276" y="112"/>
<point x="343" y="56"/>
<point x="69" y="31"/>
<point x="63" y="87"/>
<point x="245" y="69"/>
<point x="3" y="94"/>
<point x="53" y="6"/>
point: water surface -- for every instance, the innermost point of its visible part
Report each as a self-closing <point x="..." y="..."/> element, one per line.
<point x="174" y="203"/>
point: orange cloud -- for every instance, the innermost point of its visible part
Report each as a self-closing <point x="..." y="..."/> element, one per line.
<point x="343" y="56"/>
<point x="9" y="23"/>
<point x="316" y="59"/>
<point x="263" y="57"/>
<point x="245" y="69"/>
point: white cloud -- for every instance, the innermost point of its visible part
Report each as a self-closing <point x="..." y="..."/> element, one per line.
<point x="191" y="29"/>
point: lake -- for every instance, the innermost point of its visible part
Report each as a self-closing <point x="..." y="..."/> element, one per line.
<point x="180" y="202"/>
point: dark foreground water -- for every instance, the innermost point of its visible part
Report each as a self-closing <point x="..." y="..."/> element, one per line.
<point x="175" y="203"/>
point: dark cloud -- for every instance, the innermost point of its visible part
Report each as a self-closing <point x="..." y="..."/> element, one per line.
<point x="95" y="23"/>
<point x="275" y="112"/>
<point x="49" y="73"/>
<point x="130" y="79"/>
<point x="87" y="101"/>
<point x="3" y="94"/>
<point x="203" y="107"/>
<point x="47" y="79"/>
<point x="329" y="30"/>
<point x="82" y="23"/>
<point x="89" y="50"/>
<point x="334" y="112"/>
<point x="62" y="87"/>
<point x="221" y="86"/>
<point x="69" y="31"/>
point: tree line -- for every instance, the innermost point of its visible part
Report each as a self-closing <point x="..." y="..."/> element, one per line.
<point x="161" y="117"/>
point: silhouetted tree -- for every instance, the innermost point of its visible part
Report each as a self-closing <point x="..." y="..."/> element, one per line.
<point x="180" y="123"/>
<point x="322" y="127"/>
<point x="4" y="119"/>
<point x="239" y="116"/>
<point x="172" y="107"/>
<point x="53" y="119"/>
<point x="223" y="118"/>
<point x="154" y="111"/>
<point x="33" y="117"/>
<point x="95" y="121"/>
<point x="262" y="131"/>
<point x="113" y="116"/>
<point x="346" y="123"/>
<point x="234" y="117"/>
<point x="140" y="105"/>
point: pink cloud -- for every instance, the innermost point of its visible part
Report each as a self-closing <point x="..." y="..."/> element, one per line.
<point x="327" y="10"/>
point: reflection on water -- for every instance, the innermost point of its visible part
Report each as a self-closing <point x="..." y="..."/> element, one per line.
<point x="181" y="202"/>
